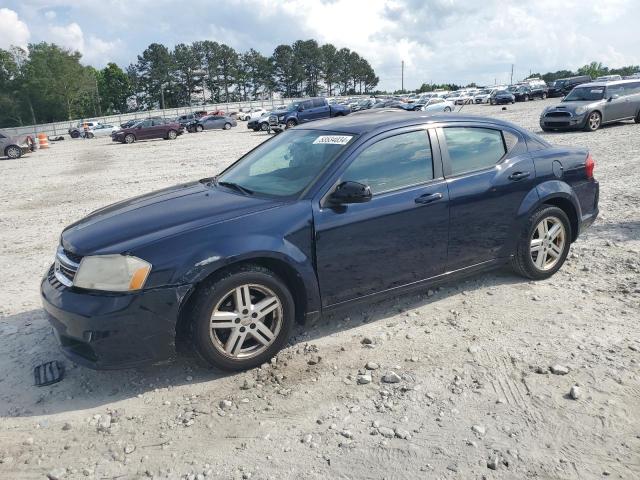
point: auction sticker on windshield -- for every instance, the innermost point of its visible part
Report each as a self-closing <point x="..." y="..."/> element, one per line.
<point x="333" y="139"/>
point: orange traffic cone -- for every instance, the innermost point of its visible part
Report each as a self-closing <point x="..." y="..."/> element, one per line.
<point x="43" y="141"/>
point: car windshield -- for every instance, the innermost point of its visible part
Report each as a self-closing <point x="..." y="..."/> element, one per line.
<point x="582" y="94"/>
<point x="287" y="164"/>
<point x="292" y="107"/>
<point x="559" y="83"/>
<point x="502" y="92"/>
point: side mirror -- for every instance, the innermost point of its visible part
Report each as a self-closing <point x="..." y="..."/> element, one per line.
<point x="350" y="192"/>
<point x="613" y="97"/>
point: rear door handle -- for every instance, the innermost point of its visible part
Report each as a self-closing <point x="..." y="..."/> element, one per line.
<point x="428" y="198"/>
<point x="518" y="176"/>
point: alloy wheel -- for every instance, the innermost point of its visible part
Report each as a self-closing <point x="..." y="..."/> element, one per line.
<point x="547" y="243"/>
<point x="14" y="152"/>
<point x="246" y="321"/>
<point x="172" y="135"/>
<point x="594" y="121"/>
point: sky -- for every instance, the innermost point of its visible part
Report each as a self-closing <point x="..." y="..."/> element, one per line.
<point x="439" y="41"/>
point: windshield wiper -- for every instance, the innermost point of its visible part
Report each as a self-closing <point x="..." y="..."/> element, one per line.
<point x="237" y="187"/>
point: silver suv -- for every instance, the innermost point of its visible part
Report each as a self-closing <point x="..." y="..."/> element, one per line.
<point x="591" y="105"/>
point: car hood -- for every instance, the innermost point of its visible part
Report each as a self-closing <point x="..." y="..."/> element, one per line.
<point x="138" y="221"/>
<point x="573" y="105"/>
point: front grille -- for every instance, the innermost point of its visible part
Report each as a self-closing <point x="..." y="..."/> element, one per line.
<point x="66" y="266"/>
<point x="557" y="124"/>
<point x="558" y="114"/>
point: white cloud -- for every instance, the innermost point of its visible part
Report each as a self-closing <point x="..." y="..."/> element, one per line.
<point x="95" y="51"/>
<point x="440" y="40"/>
<point x="13" y="31"/>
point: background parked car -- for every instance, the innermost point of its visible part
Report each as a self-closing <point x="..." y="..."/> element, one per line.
<point x="147" y="130"/>
<point x="436" y="104"/>
<point x="311" y="110"/>
<point x="483" y="96"/>
<point x="78" y="130"/>
<point x="526" y="92"/>
<point x="500" y="97"/>
<point x="14" y="146"/>
<point x="251" y="113"/>
<point x="591" y="105"/>
<point x="102" y="130"/>
<point x="212" y="122"/>
<point x="562" y="86"/>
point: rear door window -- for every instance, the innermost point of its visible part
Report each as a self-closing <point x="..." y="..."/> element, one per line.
<point x="632" y="88"/>
<point x="473" y="148"/>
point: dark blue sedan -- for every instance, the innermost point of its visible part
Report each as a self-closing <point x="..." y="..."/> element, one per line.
<point x="316" y="218"/>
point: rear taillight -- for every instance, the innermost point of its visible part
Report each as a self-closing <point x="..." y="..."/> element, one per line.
<point x="589" y="165"/>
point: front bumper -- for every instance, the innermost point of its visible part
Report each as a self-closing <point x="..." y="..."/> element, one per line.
<point x="111" y="331"/>
<point x="565" y="122"/>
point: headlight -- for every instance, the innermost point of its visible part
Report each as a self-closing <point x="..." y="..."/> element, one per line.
<point x="113" y="273"/>
<point x="580" y="110"/>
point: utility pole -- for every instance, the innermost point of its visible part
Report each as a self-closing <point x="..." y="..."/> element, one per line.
<point x="511" y="82"/>
<point x="402" y="89"/>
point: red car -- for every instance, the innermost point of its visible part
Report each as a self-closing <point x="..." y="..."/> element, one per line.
<point x="148" y="129"/>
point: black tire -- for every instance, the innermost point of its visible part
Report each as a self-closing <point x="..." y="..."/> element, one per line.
<point x="227" y="126"/>
<point x="199" y="128"/>
<point x="89" y="135"/>
<point x="522" y="261"/>
<point x="75" y="134"/>
<point x="129" y="138"/>
<point x="13" y="152"/>
<point x="594" y="121"/>
<point x="264" y="126"/>
<point x="637" y="119"/>
<point x="172" y="135"/>
<point x="214" y="291"/>
<point x="291" y="123"/>
<point x="447" y="109"/>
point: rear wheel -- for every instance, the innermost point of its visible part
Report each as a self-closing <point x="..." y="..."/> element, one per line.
<point x="594" y="121"/>
<point x="242" y="318"/>
<point x="544" y="244"/>
<point x="199" y="128"/>
<point x="75" y="134"/>
<point x="13" y="152"/>
<point x="129" y="138"/>
<point x="447" y="109"/>
<point x="227" y="126"/>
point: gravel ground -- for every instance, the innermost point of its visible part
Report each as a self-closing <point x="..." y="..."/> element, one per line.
<point x="495" y="377"/>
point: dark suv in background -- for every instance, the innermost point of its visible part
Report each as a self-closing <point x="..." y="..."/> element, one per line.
<point x="562" y="86"/>
<point x="528" y="91"/>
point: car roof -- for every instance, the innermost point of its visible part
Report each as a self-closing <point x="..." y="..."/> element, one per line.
<point x="386" y="118"/>
<point x="607" y="83"/>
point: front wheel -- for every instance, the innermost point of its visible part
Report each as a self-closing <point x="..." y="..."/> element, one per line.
<point x="199" y="128"/>
<point x="447" y="109"/>
<point x="75" y="134"/>
<point x="291" y="123"/>
<point x="544" y="244"/>
<point x="227" y="126"/>
<point x="594" y="121"/>
<point x="129" y="138"/>
<point x="242" y="318"/>
<point x="264" y="126"/>
<point x="637" y="119"/>
<point x="172" y="135"/>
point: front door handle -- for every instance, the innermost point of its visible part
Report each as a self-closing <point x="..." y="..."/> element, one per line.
<point x="428" y="198"/>
<point x="518" y="176"/>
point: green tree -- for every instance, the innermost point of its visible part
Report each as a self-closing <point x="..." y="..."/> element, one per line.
<point x="329" y="66"/>
<point x="114" y="88"/>
<point x="153" y="70"/>
<point x="285" y="70"/>
<point x="187" y="65"/>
